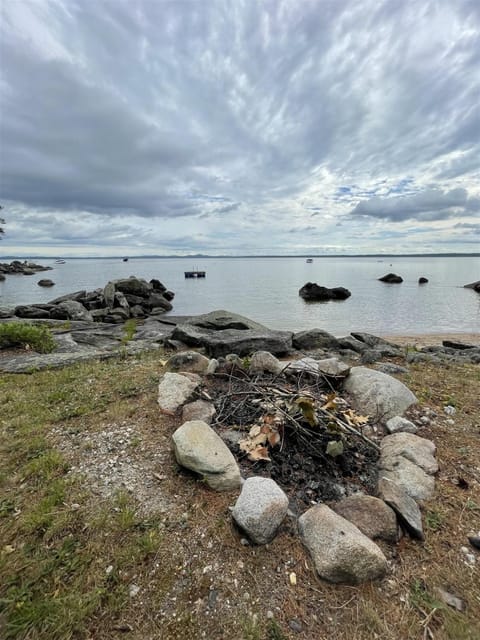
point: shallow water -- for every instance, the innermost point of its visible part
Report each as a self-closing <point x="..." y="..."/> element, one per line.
<point x="266" y="290"/>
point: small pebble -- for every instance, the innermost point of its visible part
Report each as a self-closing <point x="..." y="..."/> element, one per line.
<point x="449" y="410"/>
<point x="295" y="625"/>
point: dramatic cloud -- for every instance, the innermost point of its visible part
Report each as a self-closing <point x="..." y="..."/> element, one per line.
<point x="238" y="127"/>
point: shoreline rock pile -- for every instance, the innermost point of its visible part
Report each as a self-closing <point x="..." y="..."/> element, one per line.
<point x="20" y="268"/>
<point x="118" y="301"/>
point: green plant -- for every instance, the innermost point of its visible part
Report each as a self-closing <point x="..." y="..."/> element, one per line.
<point x="19" y="334"/>
<point x="434" y="520"/>
<point x="129" y="329"/>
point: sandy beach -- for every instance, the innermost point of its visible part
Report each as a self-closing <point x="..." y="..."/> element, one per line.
<point x="433" y="339"/>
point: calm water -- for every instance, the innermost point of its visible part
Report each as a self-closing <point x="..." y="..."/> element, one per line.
<point x="266" y="290"/>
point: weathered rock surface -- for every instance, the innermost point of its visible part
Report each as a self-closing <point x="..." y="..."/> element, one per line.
<point x="397" y="423"/>
<point x="314" y="292"/>
<point x="314" y="339"/>
<point x="260" y="509"/>
<point x="418" y="484"/>
<point x="418" y="450"/>
<point x="422" y="280"/>
<point x="45" y="282"/>
<point x="222" y="332"/>
<point x="377" y="394"/>
<point x="339" y="550"/>
<point x="391" y="278"/>
<point x="371" y="515"/>
<point x="198" y="448"/>
<point x="25" y="268"/>
<point x="265" y="362"/>
<point x="175" y="390"/>
<point x="198" y="410"/>
<point x="405" y="506"/>
<point x="188" y="361"/>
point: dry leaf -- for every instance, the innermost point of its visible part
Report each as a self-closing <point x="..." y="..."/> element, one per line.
<point x="274" y="438"/>
<point x="354" y="419"/>
<point x="308" y="410"/>
<point x="260" y="453"/>
<point x="331" y="403"/>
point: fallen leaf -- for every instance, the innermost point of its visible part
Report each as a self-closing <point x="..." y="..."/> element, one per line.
<point x="274" y="438"/>
<point x="308" y="410"/>
<point x="261" y="453"/>
<point x="331" y="403"/>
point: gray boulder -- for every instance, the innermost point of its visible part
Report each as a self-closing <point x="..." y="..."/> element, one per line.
<point x="75" y="310"/>
<point x="391" y="278"/>
<point x="418" y="450"/>
<point x="263" y="361"/>
<point x="198" y="448"/>
<point x="311" y="291"/>
<point x="109" y="294"/>
<point x="260" y="509"/>
<point x="76" y="295"/>
<point x="45" y="282"/>
<point x="175" y="390"/>
<point x="377" y="394"/>
<point x="406" y="508"/>
<point x="397" y="423"/>
<point x="135" y="286"/>
<point x="222" y="332"/>
<point x="188" y="361"/>
<point x="32" y="311"/>
<point x="418" y="484"/>
<point x="339" y="550"/>
<point x="314" y="339"/>
<point x="7" y="312"/>
<point x="198" y="410"/>
<point x="371" y="515"/>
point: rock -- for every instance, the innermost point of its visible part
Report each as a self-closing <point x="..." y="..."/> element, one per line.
<point x="2" y="277"/>
<point x="378" y="394"/>
<point x="351" y="343"/>
<point x="260" y="509"/>
<point x="75" y="310"/>
<point x="265" y="362"/>
<point x="397" y="423"/>
<point x="222" y="332"/>
<point x="135" y="286"/>
<point x="157" y="285"/>
<point x="307" y="366"/>
<point x="314" y="339"/>
<point x="391" y="278"/>
<point x="175" y="390"/>
<point x="422" y="280"/>
<point x="333" y="368"/>
<point x="157" y="301"/>
<point x="188" y="361"/>
<point x="371" y="515"/>
<point x="453" y="344"/>
<point x="474" y="541"/>
<point x="7" y="312"/>
<point x="405" y="506"/>
<point x="339" y="550"/>
<point x="45" y="282"/>
<point x="120" y="301"/>
<point x="379" y="345"/>
<point x="198" y="410"/>
<point x="451" y="599"/>
<point x="28" y="272"/>
<point x="390" y="368"/>
<point x="76" y="295"/>
<point x="198" y="448"/>
<point x="418" y="450"/>
<point x="31" y="311"/>
<point x="418" y="484"/>
<point x="109" y="294"/>
<point x="312" y="291"/>
<point x="473" y="285"/>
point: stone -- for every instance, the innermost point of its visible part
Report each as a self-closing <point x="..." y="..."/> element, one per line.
<point x="377" y="394"/>
<point x="188" y="361"/>
<point x="265" y="362"/>
<point x="418" y="450"/>
<point x="461" y="346"/>
<point x="333" y="368"/>
<point x="198" y="410"/>
<point x="352" y="344"/>
<point x="418" y="484"/>
<point x="406" y="508"/>
<point x="31" y="311"/>
<point x="260" y="509"/>
<point x="341" y="553"/>
<point x="157" y="285"/>
<point x="156" y="300"/>
<point x="135" y="286"/>
<point x="311" y="291"/>
<point x="391" y="278"/>
<point x="371" y="515"/>
<point x="391" y="369"/>
<point x="109" y="294"/>
<point x="198" y="448"/>
<point x="397" y="423"/>
<point x="222" y="332"/>
<point x="174" y="391"/>
<point x="314" y="339"/>
<point x="119" y="300"/>
<point x="7" y="312"/>
<point x="2" y="277"/>
<point x="75" y="310"/>
<point x="45" y="282"/>
<point x="76" y="295"/>
<point x="422" y="280"/>
<point x="473" y="285"/>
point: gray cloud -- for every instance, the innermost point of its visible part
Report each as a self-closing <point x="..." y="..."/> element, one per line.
<point x="428" y="205"/>
<point x="259" y="117"/>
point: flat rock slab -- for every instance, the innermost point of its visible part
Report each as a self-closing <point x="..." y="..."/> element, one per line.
<point x="198" y="448"/>
<point x="198" y="410"/>
<point x="418" y="484"/>
<point x="396" y="424"/>
<point x="175" y="390"/>
<point x="377" y="394"/>
<point x="188" y="361"/>
<point x="371" y="515"/>
<point x="405" y="506"/>
<point x="339" y="550"/>
<point x="418" y="450"/>
<point x="260" y="509"/>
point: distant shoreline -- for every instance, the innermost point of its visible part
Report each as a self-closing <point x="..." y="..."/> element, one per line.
<point x="199" y="256"/>
<point x="432" y="339"/>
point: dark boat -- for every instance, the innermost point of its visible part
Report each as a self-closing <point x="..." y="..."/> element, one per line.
<point x="309" y="260"/>
<point x="125" y="260"/>
<point x="195" y="274"/>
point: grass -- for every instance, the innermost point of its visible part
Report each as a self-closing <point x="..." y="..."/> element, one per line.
<point x="72" y="559"/>
<point x="20" y="334"/>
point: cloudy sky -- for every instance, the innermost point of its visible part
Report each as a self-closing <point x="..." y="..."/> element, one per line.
<point x="239" y="127"/>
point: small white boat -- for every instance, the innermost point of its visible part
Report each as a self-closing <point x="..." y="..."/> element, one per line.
<point x="59" y="261"/>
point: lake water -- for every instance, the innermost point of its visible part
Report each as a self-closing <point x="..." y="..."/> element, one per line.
<point x="266" y="290"/>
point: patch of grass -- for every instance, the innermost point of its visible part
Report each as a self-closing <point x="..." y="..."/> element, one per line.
<point x="21" y="334"/>
<point x="434" y="520"/>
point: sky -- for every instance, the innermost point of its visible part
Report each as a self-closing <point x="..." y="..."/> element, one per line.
<point x="239" y="127"/>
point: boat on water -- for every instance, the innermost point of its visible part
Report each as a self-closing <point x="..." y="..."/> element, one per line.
<point x="195" y="274"/>
<point x="309" y="260"/>
<point x="125" y="259"/>
<point x="60" y="261"/>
